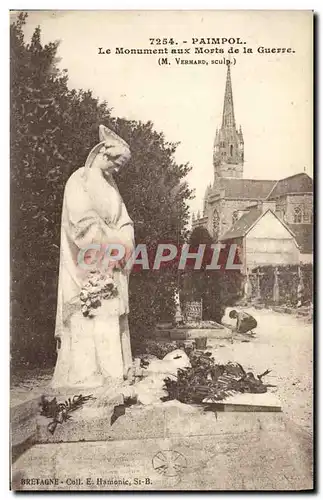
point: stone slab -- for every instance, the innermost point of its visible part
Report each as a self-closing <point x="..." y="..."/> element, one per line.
<point x="162" y="334"/>
<point x="172" y="418"/>
<point x="23" y="421"/>
<point x="210" y="333"/>
<point x="264" y="459"/>
<point x="178" y="335"/>
<point x="24" y="415"/>
<point x="156" y="421"/>
<point x="249" y="402"/>
<point x="137" y="423"/>
<point x="214" y="423"/>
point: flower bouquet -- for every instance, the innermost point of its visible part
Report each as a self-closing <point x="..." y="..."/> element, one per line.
<point x="99" y="287"/>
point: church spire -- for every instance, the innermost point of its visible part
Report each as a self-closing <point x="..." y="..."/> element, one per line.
<point x="228" y="120"/>
<point x="228" y="152"/>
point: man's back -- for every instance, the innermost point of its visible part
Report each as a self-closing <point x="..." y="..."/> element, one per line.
<point x="245" y="322"/>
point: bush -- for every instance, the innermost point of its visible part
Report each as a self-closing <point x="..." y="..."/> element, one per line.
<point x="52" y="130"/>
<point x="218" y="288"/>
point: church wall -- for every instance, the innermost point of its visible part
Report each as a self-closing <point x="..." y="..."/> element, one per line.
<point x="228" y="209"/>
<point x="210" y="213"/>
<point x="306" y="203"/>
<point x="289" y="202"/>
<point x="281" y="208"/>
<point x="268" y="205"/>
<point x="231" y="170"/>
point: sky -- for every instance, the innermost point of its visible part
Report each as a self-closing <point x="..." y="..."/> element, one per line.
<point x="272" y="93"/>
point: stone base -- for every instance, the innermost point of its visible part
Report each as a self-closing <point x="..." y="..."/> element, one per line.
<point x="192" y="333"/>
<point x="23" y="421"/>
<point x="266" y="402"/>
<point x="215" y="452"/>
<point x="158" y="420"/>
<point x="218" y="450"/>
<point x="92" y="422"/>
<point x="96" y="426"/>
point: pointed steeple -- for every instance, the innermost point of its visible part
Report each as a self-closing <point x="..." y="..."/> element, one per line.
<point x="228" y="151"/>
<point x="228" y="120"/>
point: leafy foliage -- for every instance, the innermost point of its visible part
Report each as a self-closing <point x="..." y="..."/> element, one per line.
<point x="60" y="412"/>
<point x="52" y="130"/>
<point x="208" y="380"/>
<point x="218" y="288"/>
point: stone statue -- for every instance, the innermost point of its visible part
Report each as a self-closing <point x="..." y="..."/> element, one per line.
<point x="276" y="285"/>
<point x="93" y="341"/>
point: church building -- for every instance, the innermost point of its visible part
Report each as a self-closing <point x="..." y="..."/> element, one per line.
<point x="234" y="205"/>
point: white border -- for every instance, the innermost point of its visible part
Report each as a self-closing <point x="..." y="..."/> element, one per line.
<point x="315" y="5"/>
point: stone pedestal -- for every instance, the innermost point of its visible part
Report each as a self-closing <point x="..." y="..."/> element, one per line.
<point x="227" y="451"/>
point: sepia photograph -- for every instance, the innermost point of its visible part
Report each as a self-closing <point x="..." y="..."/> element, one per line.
<point x="161" y="250"/>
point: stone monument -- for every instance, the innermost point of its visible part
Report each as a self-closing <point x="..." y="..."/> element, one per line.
<point x="93" y="341"/>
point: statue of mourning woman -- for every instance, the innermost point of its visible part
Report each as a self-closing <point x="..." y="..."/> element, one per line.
<point x="93" y="341"/>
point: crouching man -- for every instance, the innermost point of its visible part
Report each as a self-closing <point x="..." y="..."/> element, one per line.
<point x="245" y="322"/>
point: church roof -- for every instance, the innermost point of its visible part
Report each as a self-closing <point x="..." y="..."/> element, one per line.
<point x="252" y="189"/>
<point x="298" y="183"/>
<point x="249" y="219"/>
<point x="241" y="226"/>
<point x="259" y="189"/>
<point x="304" y="236"/>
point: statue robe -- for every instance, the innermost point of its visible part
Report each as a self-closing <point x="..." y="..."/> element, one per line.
<point x="92" y="349"/>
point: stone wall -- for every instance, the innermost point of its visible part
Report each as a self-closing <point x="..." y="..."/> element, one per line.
<point x="228" y="209"/>
<point x="305" y="201"/>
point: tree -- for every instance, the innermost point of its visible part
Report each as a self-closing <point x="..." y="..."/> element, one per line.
<point x="156" y="199"/>
<point x="52" y="130"/>
<point x="217" y="288"/>
<point x="38" y="98"/>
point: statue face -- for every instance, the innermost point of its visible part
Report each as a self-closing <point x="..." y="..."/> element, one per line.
<point x="108" y="160"/>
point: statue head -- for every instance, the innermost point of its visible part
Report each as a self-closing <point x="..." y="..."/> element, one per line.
<point x="110" y="154"/>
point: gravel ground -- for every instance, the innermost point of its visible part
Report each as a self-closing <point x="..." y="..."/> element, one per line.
<point x="283" y="344"/>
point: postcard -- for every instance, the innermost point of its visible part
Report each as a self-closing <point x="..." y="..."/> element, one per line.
<point x="161" y="250"/>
